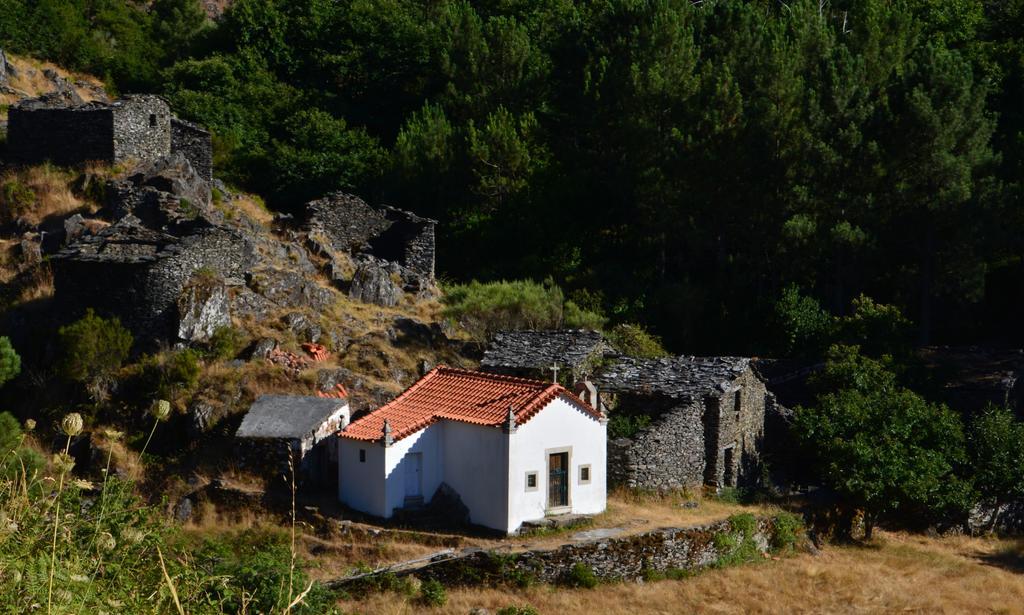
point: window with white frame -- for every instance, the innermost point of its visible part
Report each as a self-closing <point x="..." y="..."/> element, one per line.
<point x="531" y="481"/>
<point x="585" y="474"/>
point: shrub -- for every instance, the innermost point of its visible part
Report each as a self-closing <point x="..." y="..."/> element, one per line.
<point x="94" y="348"/>
<point x="169" y="376"/>
<point x="16" y="459"/>
<point x="737" y="546"/>
<point x="432" y="593"/>
<point x="582" y="575"/>
<point x="996" y="445"/>
<point x="786" y="528"/>
<point x="15" y="199"/>
<point x="525" y="609"/>
<point x="805" y="326"/>
<point x="225" y="343"/>
<point x="626" y="425"/>
<point x="486" y="308"/>
<point x="10" y="362"/>
<point x="635" y="341"/>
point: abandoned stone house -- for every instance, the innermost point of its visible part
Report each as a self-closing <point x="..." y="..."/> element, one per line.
<point x="697" y="420"/>
<point x="376" y="253"/>
<point x="279" y="426"/>
<point x="691" y="420"/>
<point x="138" y="274"/>
<point x="567" y="356"/>
<point x="138" y="127"/>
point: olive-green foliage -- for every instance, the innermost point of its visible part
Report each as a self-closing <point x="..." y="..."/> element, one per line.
<point x="581" y="575"/>
<point x="15" y="459"/>
<point x="524" y="609"/>
<point x="226" y="343"/>
<point x="626" y="425"/>
<point x="786" y="530"/>
<point x="737" y="546"/>
<point x="804" y="324"/>
<point x="170" y="375"/>
<point x="486" y="308"/>
<point x="257" y="563"/>
<point x="10" y="362"/>
<point x="634" y="340"/>
<point x="93" y="348"/>
<point x="432" y="593"/>
<point x="880" y="446"/>
<point x="15" y="199"/>
<point x="995" y="440"/>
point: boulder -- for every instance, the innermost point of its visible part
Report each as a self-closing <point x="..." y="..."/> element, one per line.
<point x="376" y="281"/>
<point x="202" y="309"/>
<point x="200" y="418"/>
<point x="305" y="329"/>
<point x="6" y="70"/>
<point x="165" y="190"/>
<point x="262" y="348"/>
<point x="31" y="251"/>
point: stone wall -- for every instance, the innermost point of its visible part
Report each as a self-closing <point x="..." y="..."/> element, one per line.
<point x="628" y="558"/>
<point x="143" y="292"/>
<point x="736" y="427"/>
<point x="36" y="134"/>
<point x="195" y="144"/>
<point x="668" y="454"/>
<point x="142" y="128"/>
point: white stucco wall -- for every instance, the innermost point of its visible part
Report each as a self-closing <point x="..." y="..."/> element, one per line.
<point x="561" y="425"/>
<point x="476" y="467"/>
<point x="484" y="465"/>
<point x="361" y="484"/>
<point x="427" y="442"/>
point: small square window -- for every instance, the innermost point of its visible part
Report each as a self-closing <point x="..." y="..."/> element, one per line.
<point x="584" y="475"/>
<point x="531" y="481"/>
<point x="362" y="455"/>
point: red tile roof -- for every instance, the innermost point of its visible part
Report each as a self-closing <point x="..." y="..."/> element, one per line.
<point x="459" y="395"/>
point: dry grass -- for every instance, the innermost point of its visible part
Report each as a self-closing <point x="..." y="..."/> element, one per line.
<point x="31" y="82"/>
<point x="897" y="573"/>
<point x="51" y="194"/>
<point x="250" y="206"/>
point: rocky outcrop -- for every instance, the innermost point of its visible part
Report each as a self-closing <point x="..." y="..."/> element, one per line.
<point x="376" y="282"/>
<point x="202" y="309"/>
<point x="167" y="191"/>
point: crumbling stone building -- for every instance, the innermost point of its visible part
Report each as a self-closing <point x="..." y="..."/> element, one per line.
<point x="376" y="253"/>
<point x="139" y="128"/>
<point x="138" y="274"/>
<point x="700" y="420"/>
<point x="690" y="420"/>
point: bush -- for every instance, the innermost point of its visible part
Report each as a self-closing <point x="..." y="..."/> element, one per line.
<point x="786" y="528"/>
<point x="169" y="376"/>
<point x="10" y="362"/>
<point x="625" y="425"/>
<point x="486" y="308"/>
<point x="635" y="341"/>
<point x="15" y="199"/>
<point x="582" y="575"/>
<point x="94" y="349"/>
<point x="805" y="326"/>
<point x="525" y="609"/>
<point x="14" y="458"/>
<point x="432" y="593"/>
<point x="225" y="343"/>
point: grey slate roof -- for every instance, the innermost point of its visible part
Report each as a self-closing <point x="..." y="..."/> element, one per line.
<point x="541" y="349"/>
<point x="287" y="416"/>
<point x="682" y="377"/>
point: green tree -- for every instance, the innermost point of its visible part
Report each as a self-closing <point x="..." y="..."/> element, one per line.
<point x="996" y="443"/>
<point x="94" y="348"/>
<point x="882" y="447"/>
<point x="10" y="362"/>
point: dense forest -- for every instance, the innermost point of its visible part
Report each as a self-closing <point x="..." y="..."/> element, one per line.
<point x="677" y="163"/>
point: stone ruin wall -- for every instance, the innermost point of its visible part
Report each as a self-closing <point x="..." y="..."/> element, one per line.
<point x="736" y="423"/>
<point x="142" y="128"/>
<point x="62" y="136"/>
<point x="144" y="295"/>
<point x="195" y="144"/>
<point x="668" y="454"/>
<point x="627" y="558"/>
